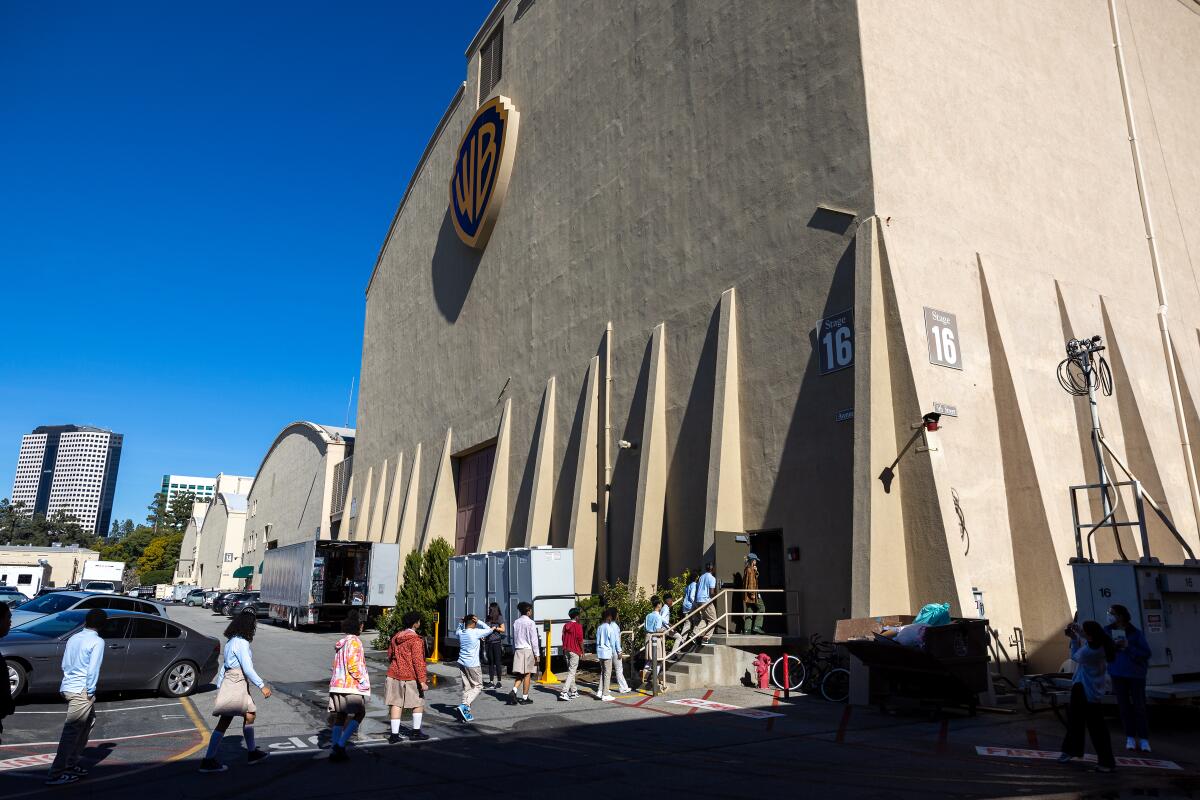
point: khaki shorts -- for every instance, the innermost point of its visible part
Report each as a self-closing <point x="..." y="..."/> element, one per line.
<point x="404" y="694"/>
<point x="523" y="662"/>
<point x="352" y="704"/>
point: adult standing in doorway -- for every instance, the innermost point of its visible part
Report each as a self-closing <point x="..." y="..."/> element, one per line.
<point x="493" y="646"/>
<point x="753" y="621"/>
<point x="1128" y="673"/>
<point x="706" y="589"/>
<point x="526" y="650"/>
<point x="233" y="692"/>
<point x="407" y="678"/>
<point x="81" y="662"/>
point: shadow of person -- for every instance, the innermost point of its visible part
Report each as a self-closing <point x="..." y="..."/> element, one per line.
<point x="97" y="753"/>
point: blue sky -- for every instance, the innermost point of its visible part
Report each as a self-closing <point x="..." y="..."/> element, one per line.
<point x="192" y="196"/>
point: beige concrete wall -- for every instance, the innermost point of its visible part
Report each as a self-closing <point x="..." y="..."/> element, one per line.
<point x="223" y="532"/>
<point x="1005" y="193"/>
<point x="66" y="563"/>
<point x="669" y="151"/>
<point x="292" y="494"/>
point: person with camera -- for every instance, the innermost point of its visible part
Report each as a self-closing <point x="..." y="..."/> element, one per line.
<point x="1128" y="673"/>
<point x="1092" y="651"/>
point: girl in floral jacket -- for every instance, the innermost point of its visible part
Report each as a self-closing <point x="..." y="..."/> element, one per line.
<point x="349" y="687"/>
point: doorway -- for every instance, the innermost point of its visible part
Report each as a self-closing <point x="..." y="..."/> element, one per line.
<point x="474" y="476"/>
<point x="768" y="546"/>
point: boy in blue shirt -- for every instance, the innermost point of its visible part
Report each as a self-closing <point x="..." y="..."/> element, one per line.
<point x="654" y="644"/>
<point x="608" y="651"/>
<point x="706" y="588"/>
<point x="470" y="632"/>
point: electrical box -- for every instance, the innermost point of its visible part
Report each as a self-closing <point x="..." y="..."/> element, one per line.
<point x="544" y="576"/>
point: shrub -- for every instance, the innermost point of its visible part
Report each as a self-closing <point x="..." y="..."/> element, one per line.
<point x="156" y="576"/>
<point x="424" y="588"/>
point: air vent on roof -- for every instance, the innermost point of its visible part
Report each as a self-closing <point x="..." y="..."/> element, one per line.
<point x="491" y="55"/>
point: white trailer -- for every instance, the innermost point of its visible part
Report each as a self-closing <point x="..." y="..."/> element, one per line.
<point x="28" y="579"/>
<point x="308" y="583"/>
<point x="544" y="576"/>
<point x="102" y="576"/>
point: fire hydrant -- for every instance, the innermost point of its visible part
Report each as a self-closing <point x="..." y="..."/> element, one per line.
<point x="763" y="666"/>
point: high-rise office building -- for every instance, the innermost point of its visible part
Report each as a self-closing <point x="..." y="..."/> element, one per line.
<point x="174" y="485"/>
<point x="69" y="468"/>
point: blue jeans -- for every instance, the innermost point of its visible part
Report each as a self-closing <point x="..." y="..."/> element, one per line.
<point x="1131" y="700"/>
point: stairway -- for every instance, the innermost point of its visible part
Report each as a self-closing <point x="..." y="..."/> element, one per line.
<point x="724" y="661"/>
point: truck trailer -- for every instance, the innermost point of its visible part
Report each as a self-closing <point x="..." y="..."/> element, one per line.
<point x="309" y="583"/>
<point x="28" y="579"/>
<point x="102" y="576"/>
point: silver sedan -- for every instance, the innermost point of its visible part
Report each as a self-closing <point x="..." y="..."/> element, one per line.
<point x="141" y="651"/>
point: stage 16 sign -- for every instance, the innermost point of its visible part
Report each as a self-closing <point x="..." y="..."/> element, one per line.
<point x="835" y="342"/>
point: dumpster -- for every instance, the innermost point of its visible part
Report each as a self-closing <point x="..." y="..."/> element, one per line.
<point x="950" y="669"/>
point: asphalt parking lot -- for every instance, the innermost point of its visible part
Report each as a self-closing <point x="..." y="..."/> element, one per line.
<point x="726" y="742"/>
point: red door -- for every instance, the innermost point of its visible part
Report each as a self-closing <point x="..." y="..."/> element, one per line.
<point x="474" y="475"/>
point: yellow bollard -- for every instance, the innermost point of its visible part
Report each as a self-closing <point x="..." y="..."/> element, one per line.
<point x="434" y="657"/>
<point x="548" y="677"/>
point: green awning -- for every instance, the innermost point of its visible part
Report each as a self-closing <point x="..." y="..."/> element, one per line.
<point x="260" y="567"/>
<point x="244" y="572"/>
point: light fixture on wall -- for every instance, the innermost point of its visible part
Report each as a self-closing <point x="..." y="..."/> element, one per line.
<point x="625" y="444"/>
<point x="928" y="424"/>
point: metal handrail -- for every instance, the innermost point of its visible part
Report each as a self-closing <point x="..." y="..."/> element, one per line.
<point x="659" y="656"/>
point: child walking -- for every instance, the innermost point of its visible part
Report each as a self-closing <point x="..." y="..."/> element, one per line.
<point x="406" y="678"/>
<point x="233" y="692"/>
<point x="526" y="650"/>
<point x="349" y="686"/>
<point x="608" y="650"/>
<point x="573" y="650"/>
<point x="470" y="632"/>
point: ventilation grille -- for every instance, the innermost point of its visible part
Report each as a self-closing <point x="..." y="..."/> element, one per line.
<point x="491" y="56"/>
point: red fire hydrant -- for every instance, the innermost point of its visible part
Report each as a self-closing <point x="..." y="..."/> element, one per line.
<point x="762" y="665"/>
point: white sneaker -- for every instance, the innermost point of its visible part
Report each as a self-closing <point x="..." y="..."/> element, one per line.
<point x="1144" y="745"/>
<point x="607" y="698"/>
<point x="1130" y="743"/>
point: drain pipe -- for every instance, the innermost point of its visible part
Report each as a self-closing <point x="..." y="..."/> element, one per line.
<point x="1159" y="283"/>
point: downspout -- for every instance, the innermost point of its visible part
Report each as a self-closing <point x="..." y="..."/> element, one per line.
<point x="1159" y="283"/>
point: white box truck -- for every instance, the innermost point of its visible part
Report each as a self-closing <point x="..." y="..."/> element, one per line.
<point x="308" y="583"/>
<point x="28" y="579"/>
<point x="544" y="576"/>
<point x="106" y="577"/>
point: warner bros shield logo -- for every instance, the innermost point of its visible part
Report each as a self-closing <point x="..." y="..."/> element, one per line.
<point x="482" y="169"/>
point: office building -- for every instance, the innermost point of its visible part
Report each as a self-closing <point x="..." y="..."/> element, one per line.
<point x="69" y="468"/>
<point x="175" y="485"/>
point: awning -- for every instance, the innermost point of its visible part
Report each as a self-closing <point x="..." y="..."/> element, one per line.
<point x="260" y="565"/>
<point x="244" y="572"/>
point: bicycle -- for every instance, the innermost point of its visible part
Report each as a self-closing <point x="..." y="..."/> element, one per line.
<point x="815" y="671"/>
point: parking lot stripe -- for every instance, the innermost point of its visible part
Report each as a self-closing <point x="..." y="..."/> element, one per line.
<point x="99" y="739"/>
<point x="105" y="710"/>
<point x="201" y="729"/>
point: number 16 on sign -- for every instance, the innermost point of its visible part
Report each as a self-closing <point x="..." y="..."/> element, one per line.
<point x="941" y="334"/>
<point x="835" y="342"/>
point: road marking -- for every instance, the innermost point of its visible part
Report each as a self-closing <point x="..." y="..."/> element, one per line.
<point x="105" y="710"/>
<point x="200" y="728"/>
<point x="26" y="761"/>
<point x="1047" y="755"/>
<point x="697" y="703"/>
<point x="100" y="739"/>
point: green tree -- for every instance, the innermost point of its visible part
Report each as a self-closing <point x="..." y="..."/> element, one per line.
<point x="157" y="509"/>
<point x="424" y="588"/>
<point x="161" y="553"/>
<point x="115" y="531"/>
<point x="179" y="511"/>
<point x="127" y="527"/>
<point x="19" y="526"/>
<point x="156" y="576"/>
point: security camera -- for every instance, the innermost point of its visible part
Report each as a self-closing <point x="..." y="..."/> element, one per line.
<point x="626" y="445"/>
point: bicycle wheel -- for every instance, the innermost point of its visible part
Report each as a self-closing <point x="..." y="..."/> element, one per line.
<point x="795" y="673"/>
<point x="835" y="686"/>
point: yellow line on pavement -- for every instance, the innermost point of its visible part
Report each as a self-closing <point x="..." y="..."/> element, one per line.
<point x="201" y="729"/>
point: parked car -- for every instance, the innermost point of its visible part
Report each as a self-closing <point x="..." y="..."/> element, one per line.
<point x="250" y="604"/>
<point x="39" y="607"/>
<point x="101" y="587"/>
<point x="12" y="596"/>
<point x="195" y="597"/>
<point x="143" y="592"/>
<point x="220" y="603"/>
<point x="209" y="597"/>
<point x="142" y="651"/>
